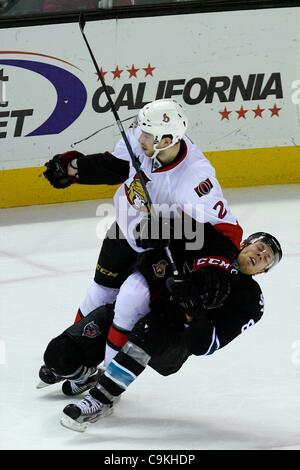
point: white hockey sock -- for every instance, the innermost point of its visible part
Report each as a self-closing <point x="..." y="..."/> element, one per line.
<point x="132" y="303"/>
<point x="110" y="353"/>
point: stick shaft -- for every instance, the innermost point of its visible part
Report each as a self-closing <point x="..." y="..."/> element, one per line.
<point x="134" y="160"/>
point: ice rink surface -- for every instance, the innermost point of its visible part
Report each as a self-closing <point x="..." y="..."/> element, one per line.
<point x="245" y="396"/>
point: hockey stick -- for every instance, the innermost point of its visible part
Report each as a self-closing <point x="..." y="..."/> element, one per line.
<point x="135" y="162"/>
<point x="99" y="130"/>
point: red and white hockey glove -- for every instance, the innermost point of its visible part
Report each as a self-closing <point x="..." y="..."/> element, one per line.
<point x="57" y="169"/>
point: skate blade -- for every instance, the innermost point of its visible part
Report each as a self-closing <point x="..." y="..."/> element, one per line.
<point x="42" y="384"/>
<point x="70" y="423"/>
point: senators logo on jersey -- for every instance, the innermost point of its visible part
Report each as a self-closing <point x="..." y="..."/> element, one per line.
<point x="204" y="187"/>
<point x="135" y="193"/>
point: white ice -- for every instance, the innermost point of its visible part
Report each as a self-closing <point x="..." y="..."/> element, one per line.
<point x="246" y="396"/>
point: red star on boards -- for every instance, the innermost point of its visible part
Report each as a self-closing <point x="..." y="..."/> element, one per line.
<point x="258" y="112"/>
<point x="102" y="73"/>
<point x="274" y="110"/>
<point x="133" y="71"/>
<point x="225" y="114"/>
<point x="149" y="70"/>
<point x="242" y="112"/>
<point x="117" y="72"/>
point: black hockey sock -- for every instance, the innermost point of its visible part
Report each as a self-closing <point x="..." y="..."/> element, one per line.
<point x="128" y="364"/>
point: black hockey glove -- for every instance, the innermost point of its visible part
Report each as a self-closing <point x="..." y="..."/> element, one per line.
<point x="169" y="311"/>
<point x="153" y="232"/>
<point x="180" y="290"/>
<point x="206" y="288"/>
<point x="213" y="284"/>
<point x="57" y="169"/>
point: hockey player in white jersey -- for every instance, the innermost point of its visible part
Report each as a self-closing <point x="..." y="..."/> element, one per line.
<point x="177" y="177"/>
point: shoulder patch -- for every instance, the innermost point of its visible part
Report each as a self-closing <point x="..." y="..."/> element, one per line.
<point x="204" y="187"/>
<point x="160" y="268"/>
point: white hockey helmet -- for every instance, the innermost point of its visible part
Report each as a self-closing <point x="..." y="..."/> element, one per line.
<point x="163" y="117"/>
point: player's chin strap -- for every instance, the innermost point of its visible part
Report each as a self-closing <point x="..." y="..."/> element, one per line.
<point x="156" y="150"/>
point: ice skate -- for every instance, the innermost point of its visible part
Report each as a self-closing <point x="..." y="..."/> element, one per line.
<point x="47" y="377"/>
<point x="87" y="380"/>
<point x="76" y="416"/>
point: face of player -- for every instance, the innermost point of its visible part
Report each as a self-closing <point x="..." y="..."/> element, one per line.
<point x="255" y="258"/>
<point x="147" y="141"/>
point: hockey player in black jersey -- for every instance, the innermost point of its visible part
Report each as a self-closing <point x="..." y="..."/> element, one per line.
<point x="188" y="318"/>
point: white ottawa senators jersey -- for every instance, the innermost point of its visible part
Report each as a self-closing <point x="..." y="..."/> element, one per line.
<point x="187" y="185"/>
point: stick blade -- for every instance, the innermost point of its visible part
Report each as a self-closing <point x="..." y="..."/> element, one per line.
<point x="82" y="21"/>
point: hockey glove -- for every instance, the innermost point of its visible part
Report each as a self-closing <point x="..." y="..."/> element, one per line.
<point x="153" y="232"/>
<point x="206" y="288"/>
<point x="180" y="290"/>
<point x="169" y="310"/>
<point x="213" y="284"/>
<point x="57" y="169"/>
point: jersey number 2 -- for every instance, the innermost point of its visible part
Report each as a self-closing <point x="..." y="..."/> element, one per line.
<point x="220" y="207"/>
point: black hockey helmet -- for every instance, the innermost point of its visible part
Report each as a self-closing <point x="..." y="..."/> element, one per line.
<point x="269" y="240"/>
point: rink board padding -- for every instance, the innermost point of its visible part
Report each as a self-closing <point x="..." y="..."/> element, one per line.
<point x="234" y="168"/>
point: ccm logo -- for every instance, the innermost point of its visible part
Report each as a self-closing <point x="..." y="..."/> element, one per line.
<point x="220" y="262"/>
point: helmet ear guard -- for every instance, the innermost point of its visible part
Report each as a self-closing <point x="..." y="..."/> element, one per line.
<point x="161" y="118"/>
<point x="269" y="240"/>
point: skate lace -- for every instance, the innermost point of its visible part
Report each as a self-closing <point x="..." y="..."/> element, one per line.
<point x="76" y="387"/>
<point x="89" y="405"/>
